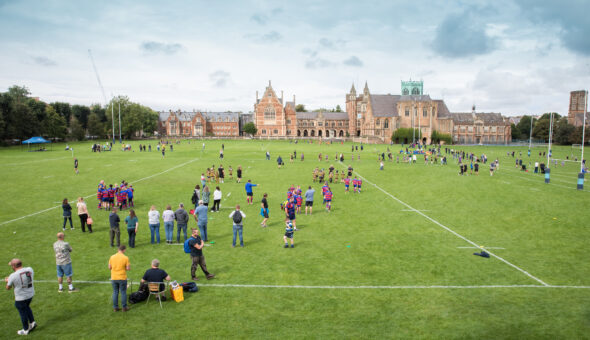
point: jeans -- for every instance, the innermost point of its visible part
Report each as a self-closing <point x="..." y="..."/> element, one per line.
<point x="203" y="230"/>
<point x="119" y="286"/>
<point x="131" y="233"/>
<point x="115" y="232"/>
<point x="66" y="218"/>
<point x="169" y="229"/>
<point x="238" y="229"/>
<point x="155" y="230"/>
<point x="26" y="314"/>
<point x="180" y="226"/>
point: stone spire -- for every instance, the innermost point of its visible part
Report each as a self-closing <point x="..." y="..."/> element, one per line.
<point x="352" y="89"/>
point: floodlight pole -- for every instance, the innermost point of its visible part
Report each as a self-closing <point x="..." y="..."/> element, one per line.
<point x="550" y="134"/>
<point x="120" y="140"/>
<point x="419" y="127"/>
<point x="531" y="134"/>
<point x="113" y="119"/>
<point x="584" y="130"/>
<point x="413" y="128"/>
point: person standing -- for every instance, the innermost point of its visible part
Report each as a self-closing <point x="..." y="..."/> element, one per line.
<point x="206" y="196"/>
<point x="221" y="173"/>
<point x="63" y="263"/>
<point x="22" y="282"/>
<point x="239" y="174"/>
<point x="76" y="166"/>
<point x="217" y="195"/>
<point x="264" y="210"/>
<point x="309" y="200"/>
<point x="196" y="245"/>
<point x="237" y="217"/>
<point x="67" y="214"/>
<point x="201" y="219"/>
<point x="114" y="221"/>
<point x="154" y="222"/>
<point x="181" y="217"/>
<point x="132" y="224"/>
<point x="83" y="214"/>
<point x="290" y="212"/>
<point x="249" y="192"/>
<point x="119" y="266"/>
<point x="168" y="217"/>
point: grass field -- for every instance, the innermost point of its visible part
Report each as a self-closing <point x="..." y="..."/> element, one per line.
<point x="393" y="262"/>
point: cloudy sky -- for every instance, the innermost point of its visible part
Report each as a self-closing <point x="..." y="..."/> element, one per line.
<point x="508" y="56"/>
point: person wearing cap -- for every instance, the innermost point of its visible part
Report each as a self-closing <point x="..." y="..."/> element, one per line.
<point x="289" y="230"/>
<point x="22" y="281"/>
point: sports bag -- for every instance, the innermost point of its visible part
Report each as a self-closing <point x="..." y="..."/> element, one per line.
<point x="189" y="287"/>
<point x="237" y="217"/>
<point x="187" y="247"/>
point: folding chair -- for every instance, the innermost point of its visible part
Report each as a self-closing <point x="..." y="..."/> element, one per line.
<point x="154" y="289"/>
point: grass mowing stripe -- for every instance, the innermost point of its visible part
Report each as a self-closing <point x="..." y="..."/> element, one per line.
<point x="139" y="180"/>
<point x="450" y="230"/>
<point x="230" y="285"/>
<point x="552" y="184"/>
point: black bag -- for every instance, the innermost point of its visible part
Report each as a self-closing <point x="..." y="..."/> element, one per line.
<point x="189" y="287"/>
<point x="237" y="217"/>
<point x="141" y="295"/>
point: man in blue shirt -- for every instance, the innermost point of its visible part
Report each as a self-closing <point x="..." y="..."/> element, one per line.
<point x="201" y="219"/>
<point x="309" y="200"/>
<point x="249" y="192"/>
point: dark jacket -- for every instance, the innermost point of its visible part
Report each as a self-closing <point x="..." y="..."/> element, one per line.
<point x="181" y="216"/>
<point x="114" y="220"/>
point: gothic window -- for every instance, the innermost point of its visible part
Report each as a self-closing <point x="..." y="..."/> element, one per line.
<point x="320" y="124"/>
<point x="275" y="131"/>
<point x="364" y="107"/>
<point x="415" y="90"/>
<point x="407" y="112"/>
<point x="405" y="92"/>
<point x="378" y="122"/>
<point x="269" y="113"/>
<point x="263" y="132"/>
<point x="288" y="121"/>
<point x="386" y="123"/>
<point x="339" y="123"/>
<point x="424" y="112"/>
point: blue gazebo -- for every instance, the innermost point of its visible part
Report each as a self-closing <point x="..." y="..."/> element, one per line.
<point x="35" y="140"/>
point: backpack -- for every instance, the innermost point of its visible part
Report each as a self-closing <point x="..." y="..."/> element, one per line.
<point x="187" y="247"/>
<point x="140" y="295"/>
<point x="189" y="287"/>
<point x="237" y="217"/>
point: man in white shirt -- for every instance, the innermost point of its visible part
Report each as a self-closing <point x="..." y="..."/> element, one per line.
<point x="22" y="281"/>
<point x="237" y="217"/>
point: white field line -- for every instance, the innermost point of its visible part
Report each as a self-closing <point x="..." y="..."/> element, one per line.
<point x="542" y="181"/>
<point x="484" y="248"/>
<point x="230" y="285"/>
<point x="414" y="210"/>
<point x="57" y="206"/>
<point x="37" y="161"/>
<point x="452" y="231"/>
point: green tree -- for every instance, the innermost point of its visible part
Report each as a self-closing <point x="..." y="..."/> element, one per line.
<point x="524" y="127"/>
<point x="515" y="132"/>
<point x="135" y="118"/>
<point x="300" y="108"/>
<point x="76" y="129"/>
<point x="250" y="128"/>
<point x="99" y="111"/>
<point x="563" y="130"/>
<point x="81" y="113"/>
<point x="55" y="125"/>
<point x="95" y="126"/>
<point x="404" y="135"/>
<point x="63" y="109"/>
<point x="576" y="136"/>
<point x="437" y="137"/>
<point x="541" y="129"/>
<point x="338" y="108"/>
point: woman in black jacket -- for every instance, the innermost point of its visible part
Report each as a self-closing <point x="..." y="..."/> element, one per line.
<point x="67" y="214"/>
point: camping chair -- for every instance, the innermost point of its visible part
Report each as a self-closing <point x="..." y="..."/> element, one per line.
<point x="154" y="289"/>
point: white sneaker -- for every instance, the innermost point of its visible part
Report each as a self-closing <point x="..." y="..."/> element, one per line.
<point x="22" y="332"/>
<point x="32" y="326"/>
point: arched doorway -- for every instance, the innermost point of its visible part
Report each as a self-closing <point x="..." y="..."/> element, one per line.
<point x="313" y="133"/>
<point x="304" y="133"/>
<point x="328" y="134"/>
<point x="334" y="134"/>
<point x="358" y="133"/>
<point x="298" y="133"/>
<point x="424" y="141"/>
<point x="319" y="133"/>
<point x="341" y="133"/>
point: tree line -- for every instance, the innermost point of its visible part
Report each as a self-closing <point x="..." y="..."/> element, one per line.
<point x="564" y="133"/>
<point x="22" y="117"/>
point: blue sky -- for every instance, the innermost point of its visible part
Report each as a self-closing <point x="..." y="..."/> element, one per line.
<point x="508" y="56"/>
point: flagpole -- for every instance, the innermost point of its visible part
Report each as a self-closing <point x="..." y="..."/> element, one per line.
<point x="584" y="130"/>
<point x="550" y="134"/>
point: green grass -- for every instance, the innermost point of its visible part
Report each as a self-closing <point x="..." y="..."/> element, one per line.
<point x="367" y="240"/>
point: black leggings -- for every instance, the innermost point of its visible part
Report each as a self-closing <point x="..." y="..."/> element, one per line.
<point x="216" y="205"/>
<point x="83" y="218"/>
<point x="65" y="220"/>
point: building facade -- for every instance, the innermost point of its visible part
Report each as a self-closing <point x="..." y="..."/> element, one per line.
<point x="377" y="116"/>
<point x="577" y="107"/>
<point x="198" y="124"/>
